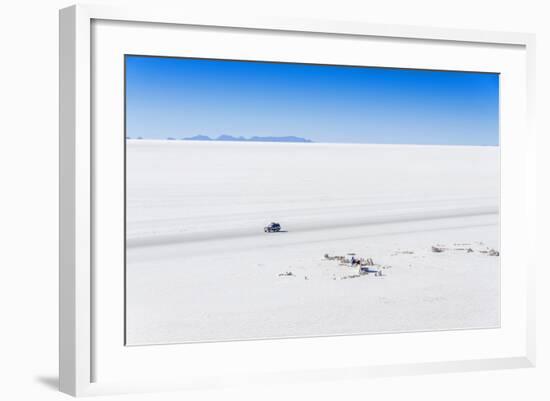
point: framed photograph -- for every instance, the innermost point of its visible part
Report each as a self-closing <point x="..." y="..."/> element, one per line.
<point x="265" y="200"/>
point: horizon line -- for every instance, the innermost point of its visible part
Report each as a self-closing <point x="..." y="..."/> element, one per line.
<point x="312" y="142"/>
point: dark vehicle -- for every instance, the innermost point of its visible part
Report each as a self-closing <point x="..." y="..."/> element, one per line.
<point x="272" y="228"/>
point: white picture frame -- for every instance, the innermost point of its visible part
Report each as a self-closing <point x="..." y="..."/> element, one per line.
<point x="85" y="333"/>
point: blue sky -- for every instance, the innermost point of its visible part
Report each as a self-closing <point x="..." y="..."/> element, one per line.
<point x="180" y="97"/>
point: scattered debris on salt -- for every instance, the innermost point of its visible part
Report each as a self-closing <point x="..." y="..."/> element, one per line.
<point x="362" y="263"/>
<point x="350" y="276"/>
<point x="488" y="251"/>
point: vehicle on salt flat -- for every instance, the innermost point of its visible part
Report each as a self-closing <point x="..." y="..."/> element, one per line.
<point x="272" y="228"/>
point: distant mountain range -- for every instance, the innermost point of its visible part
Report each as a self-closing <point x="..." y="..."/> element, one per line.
<point x="251" y="139"/>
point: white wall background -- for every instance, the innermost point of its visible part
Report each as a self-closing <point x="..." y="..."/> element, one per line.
<point x="29" y="185"/>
